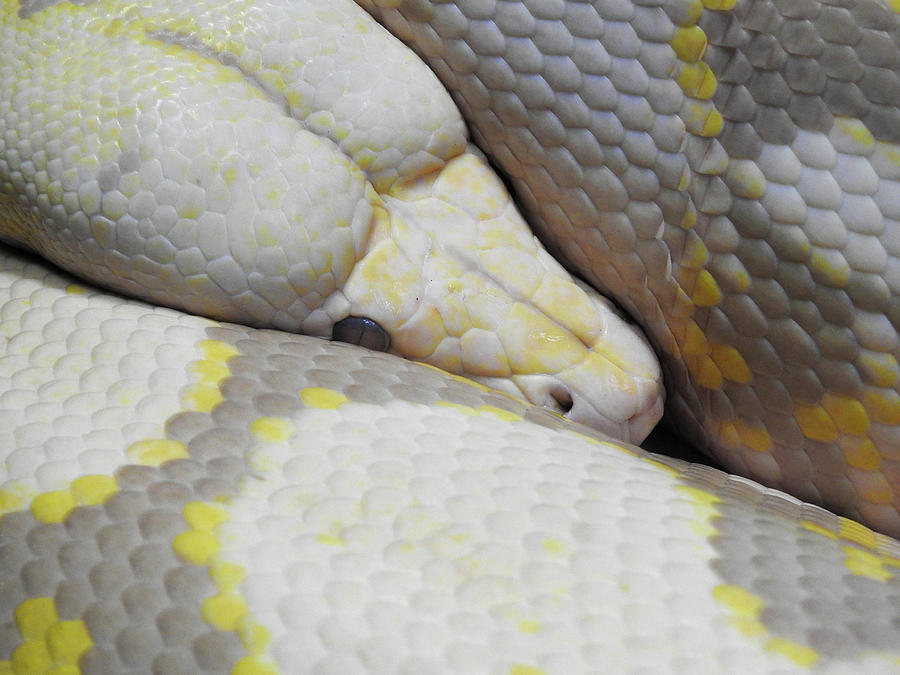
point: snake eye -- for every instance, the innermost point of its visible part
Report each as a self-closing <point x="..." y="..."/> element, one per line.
<point x="358" y="330"/>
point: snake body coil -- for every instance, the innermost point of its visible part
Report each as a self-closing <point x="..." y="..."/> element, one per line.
<point x="729" y="172"/>
<point x="182" y="494"/>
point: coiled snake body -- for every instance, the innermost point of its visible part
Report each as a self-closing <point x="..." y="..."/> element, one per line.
<point x="181" y="494"/>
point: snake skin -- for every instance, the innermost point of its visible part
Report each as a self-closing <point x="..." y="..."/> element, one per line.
<point x="256" y="174"/>
<point x="185" y="496"/>
<point x="730" y="173"/>
<point x="181" y="495"/>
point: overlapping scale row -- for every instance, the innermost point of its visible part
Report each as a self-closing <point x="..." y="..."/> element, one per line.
<point x="232" y="179"/>
<point x="729" y="173"/>
<point x="302" y="506"/>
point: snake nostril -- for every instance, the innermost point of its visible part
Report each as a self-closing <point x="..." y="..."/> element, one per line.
<point x="562" y="397"/>
<point x="362" y="331"/>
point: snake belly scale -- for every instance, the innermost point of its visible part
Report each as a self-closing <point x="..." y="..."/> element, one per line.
<point x="183" y="494"/>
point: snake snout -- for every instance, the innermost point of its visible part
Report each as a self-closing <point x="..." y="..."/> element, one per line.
<point x="627" y="418"/>
<point x="597" y="393"/>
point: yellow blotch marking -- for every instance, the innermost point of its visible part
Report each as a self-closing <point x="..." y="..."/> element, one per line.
<point x="883" y="405"/>
<point x="204" y="516"/>
<point x="320" y="397"/>
<point x="226" y="609"/>
<point x="48" y="644"/>
<point x="712" y="126"/>
<point x="534" y="344"/>
<point x="866" y="561"/>
<point x="751" y="435"/>
<point x="156" y="451"/>
<point x="694" y="341"/>
<point x="329" y="540"/>
<point x="385" y="275"/>
<point x="76" y="289"/>
<point x="719" y="5"/>
<point x="54" y="506"/>
<point x="199" y="544"/>
<point x="701" y="119"/>
<point x="528" y="626"/>
<point x="272" y="79"/>
<point x="662" y="466"/>
<point x="746" y="179"/>
<point x="613" y="367"/>
<point x="832" y="267"/>
<point x="227" y="575"/>
<point x="858" y="533"/>
<point x="704" y="504"/>
<point x="697" y="80"/>
<point x="740" y="278"/>
<point x="801" y="655"/>
<point x="35" y="616"/>
<point x="695" y="254"/>
<point x="815" y="422"/>
<point x="746" y="608"/>
<point x="93" y="489"/>
<point x="520" y="669"/>
<point x="689" y="43"/>
<point x="880" y="370"/>
<point x="568" y="305"/>
<point x="272" y="429"/>
<point x="499" y="413"/>
<point x="250" y="665"/>
<point x="467" y="176"/>
<point x="869" y="565"/>
<point x="208" y="373"/>
<point x="554" y="546"/>
<point x="730" y="363"/>
<point x="705" y="372"/>
<point x="861" y="453"/>
<point x="856" y="130"/>
<point x="706" y="292"/>
<point x="464" y="409"/>
<point x="818" y="529"/>
<point x="196" y="546"/>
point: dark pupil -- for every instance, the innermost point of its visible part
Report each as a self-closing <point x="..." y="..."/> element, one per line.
<point x="358" y="330"/>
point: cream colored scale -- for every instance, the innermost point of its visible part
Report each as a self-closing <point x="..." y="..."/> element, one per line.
<point x="184" y="495"/>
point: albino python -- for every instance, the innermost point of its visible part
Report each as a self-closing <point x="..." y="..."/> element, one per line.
<point x="182" y="494"/>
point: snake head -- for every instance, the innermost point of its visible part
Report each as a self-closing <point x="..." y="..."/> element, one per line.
<point x="456" y="279"/>
<point x="290" y="169"/>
